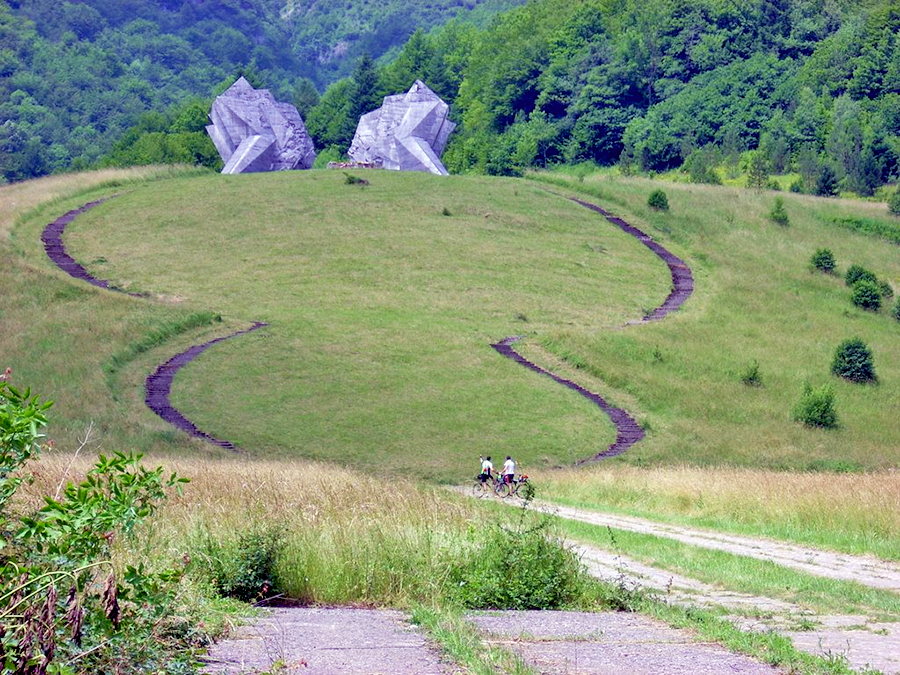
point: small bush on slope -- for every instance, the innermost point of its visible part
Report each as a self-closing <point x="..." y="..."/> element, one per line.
<point x="867" y="294"/>
<point x="853" y="361"/>
<point x="658" y="200"/>
<point x="823" y="260"/>
<point x="857" y="273"/>
<point x="816" y="407"/>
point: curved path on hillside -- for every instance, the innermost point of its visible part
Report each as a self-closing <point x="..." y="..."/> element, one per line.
<point x="158" y="386"/>
<point x="628" y="432"/>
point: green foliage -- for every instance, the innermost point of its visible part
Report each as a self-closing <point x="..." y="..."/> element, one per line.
<point x="750" y="375"/>
<point x="658" y="200"/>
<point x="350" y="179"/>
<point x="701" y="165"/>
<point x="816" y="407"/>
<point x="64" y="602"/>
<point x="879" y="228"/>
<point x="524" y="568"/>
<point x="886" y="290"/>
<point x="778" y="214"/>
<point x="823" y="260"/>
<point x="894" y="202"/>
<point x="895" y="312"/>
<point x="853" y="361"/>
<point x="826" y="181"/>
<point x="758" y="170"/>
<point x="866" y="294"/>
<point x="241" y="567"/>
<point x="856" y="273"/>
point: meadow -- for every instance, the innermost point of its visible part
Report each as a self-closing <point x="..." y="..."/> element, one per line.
<point x="375" y="378"/>
<point x="381" y="310"/>
<point x="756" y="301"/>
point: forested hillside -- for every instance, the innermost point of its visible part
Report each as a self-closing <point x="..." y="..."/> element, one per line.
<point x="75" y="75"/>
<point x="759" y="87"/>
<point x="814" y="85"/>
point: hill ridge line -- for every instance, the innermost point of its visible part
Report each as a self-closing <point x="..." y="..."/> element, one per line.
<point x="628" y="431"/>
<point x="158" y="385"/>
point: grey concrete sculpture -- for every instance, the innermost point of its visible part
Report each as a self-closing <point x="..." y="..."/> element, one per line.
<point x="254" y="132"/>
<point x="407" y="133"/>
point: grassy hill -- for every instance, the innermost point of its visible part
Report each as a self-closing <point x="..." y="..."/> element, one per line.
<point x="381" y="308"/>
<point x="383" y="300"/>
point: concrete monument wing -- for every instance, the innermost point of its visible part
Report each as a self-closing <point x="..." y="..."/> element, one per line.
<point x="407" y="133"/>
<point x="254" y="132"/>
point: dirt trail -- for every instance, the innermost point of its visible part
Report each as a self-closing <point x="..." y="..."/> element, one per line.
<point x="864" y="643"/>
<point x="866" y="570"/>
<point x="158" y="386"/>
<point x="628" y="432"/>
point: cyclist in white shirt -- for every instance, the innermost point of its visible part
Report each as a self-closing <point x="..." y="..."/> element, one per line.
<point x="487" y="468"/>
<point x="509" y="470"/>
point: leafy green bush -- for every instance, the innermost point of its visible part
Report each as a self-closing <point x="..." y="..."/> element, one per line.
<point x="853" y="361"/>
<point x="866" y="294"/>
<point x="658" y="200"/>
<point x="896" y="311"/>
<point x="779" y="215"/>
<point x="816" y="407"/>
<point x="857" y="273"/>
<point x="522" y="569"/>
<point x="241" y="567"/>
<point x="64" y="602"/>
<point x="887" y="291"/>
<point x="894" y="203"/>
<point x="797" y="186"/>
<point x="879" y="228"/>
<point x="823" y="260"/>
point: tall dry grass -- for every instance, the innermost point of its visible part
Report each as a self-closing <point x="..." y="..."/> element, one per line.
<point x="853" y="512"/>
<point x="18" y="198"/>
<point x="344" y="537"/>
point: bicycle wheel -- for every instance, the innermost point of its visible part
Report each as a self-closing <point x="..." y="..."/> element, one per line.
<point x="478" y="489"/>
<point x="502" y="489"/>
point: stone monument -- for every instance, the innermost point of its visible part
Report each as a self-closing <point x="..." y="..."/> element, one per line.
<point x="254" y="132"/>
<point x="407" y="133"/>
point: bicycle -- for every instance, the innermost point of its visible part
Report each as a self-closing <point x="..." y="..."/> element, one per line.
<point x="520" y="484"/>
<point x="481" y="486"/>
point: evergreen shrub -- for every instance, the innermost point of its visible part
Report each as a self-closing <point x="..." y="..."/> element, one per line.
<point x="853" y="361"/>
<point x="867" y="294"/>
<point x="658" y="200"/>
<point x="894" y="202"/>
<point x="816" y="407"/>
<point x="823" y="260"/>
<point x="779" y="215"/>
<point x="856" y="273"/>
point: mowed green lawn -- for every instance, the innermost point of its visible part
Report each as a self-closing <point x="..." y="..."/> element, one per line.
<point x="756" y="300"/>
<point x="381" y="310"/>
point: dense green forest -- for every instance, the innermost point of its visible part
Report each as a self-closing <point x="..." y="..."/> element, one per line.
<point x="74" y="76"/>
<point x="758" y="87"/>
